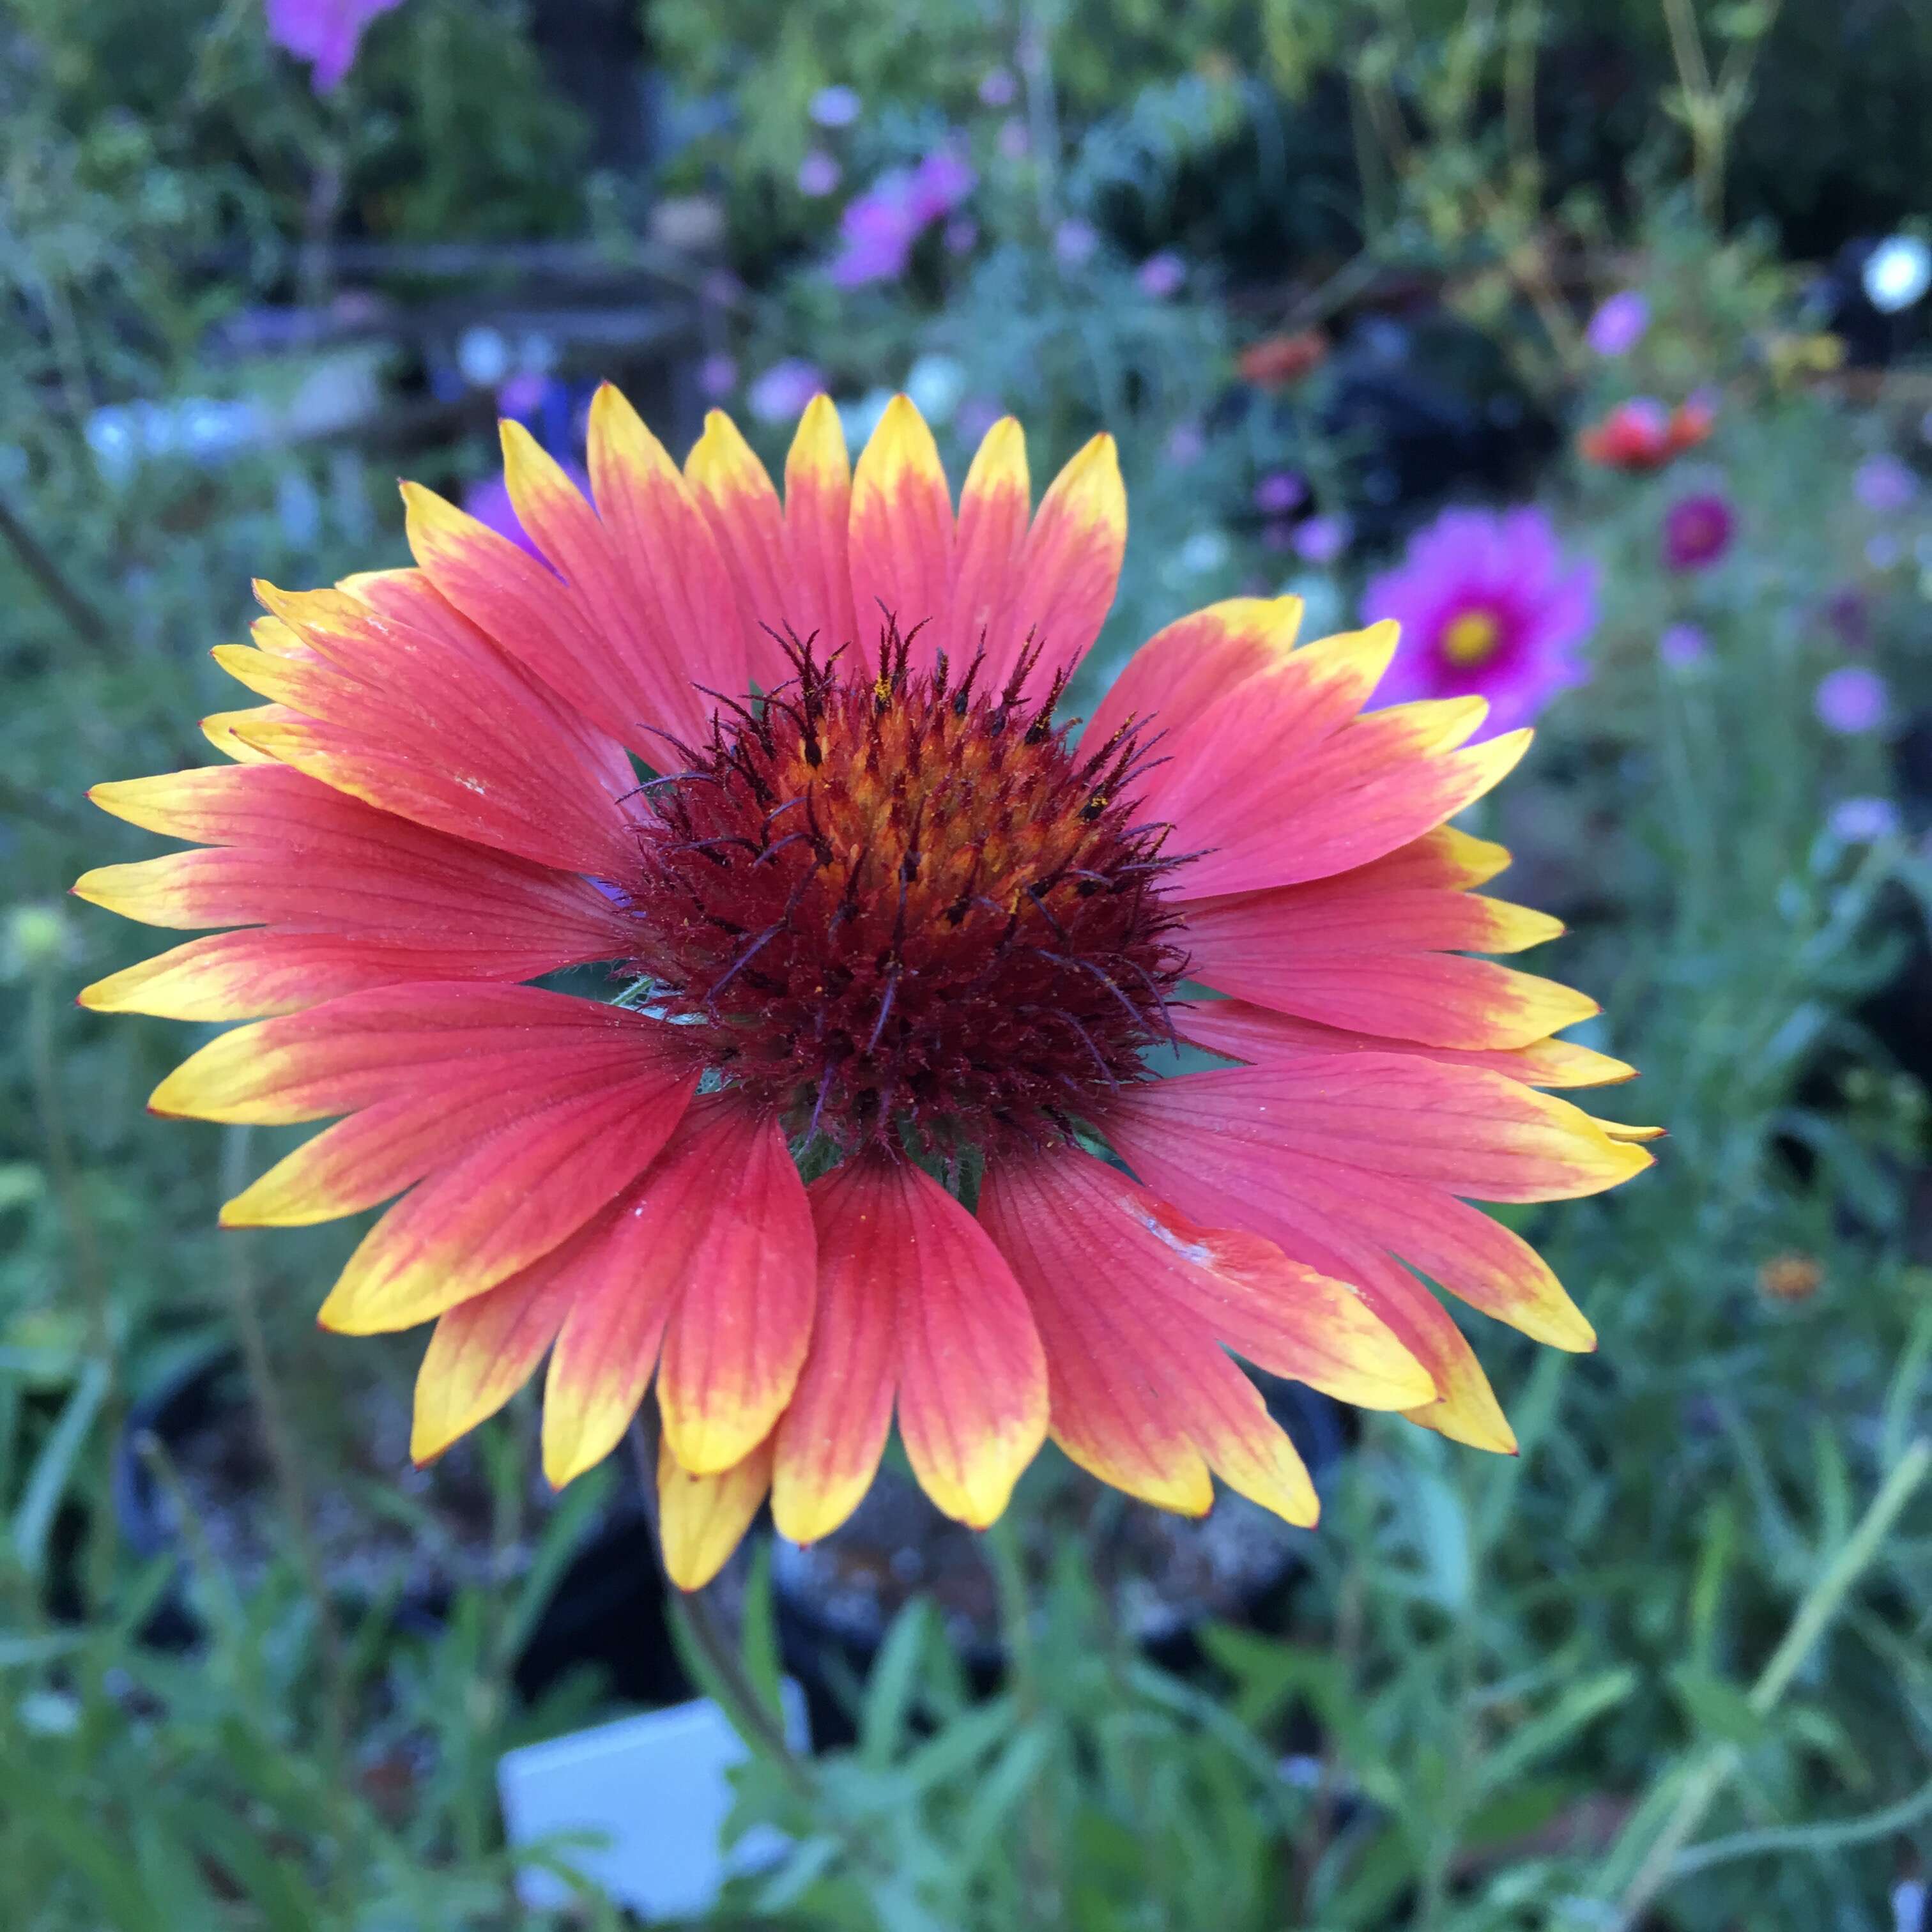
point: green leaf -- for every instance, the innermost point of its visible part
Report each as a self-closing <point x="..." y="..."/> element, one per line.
<point x="1555" y="1727"/>
<point x="758" y="1633"/>
<point x="889" y="1696"/>
<point x="1717" y="1710"/>
<point x="47" y="1482"/>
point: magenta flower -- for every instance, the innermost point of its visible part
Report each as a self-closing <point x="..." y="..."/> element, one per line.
<point x="1488" y="603"/>
<point x="879" y="227"/>
<point x="1851" y="700"/>
<point x="1697" y="531"/>
<point x="1161" y="276"/>
<point x="325" y="33"/>
<point x="1619" y="325"/>
<point x="940" y="182"/>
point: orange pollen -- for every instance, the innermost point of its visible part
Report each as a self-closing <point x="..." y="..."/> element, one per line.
<point x="901" y="910"/>
<point x="1471" y="638"/>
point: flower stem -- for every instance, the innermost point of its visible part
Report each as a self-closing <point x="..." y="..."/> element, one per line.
<point x="696" y="1615"/>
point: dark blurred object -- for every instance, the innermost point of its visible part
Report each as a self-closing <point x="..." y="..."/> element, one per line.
<point x="1166" y="1575"/>
<point x="1873" y="298"/>
<point x="607" y="1612"/>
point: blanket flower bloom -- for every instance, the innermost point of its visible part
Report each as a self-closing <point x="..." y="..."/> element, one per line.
<point x="877" y="915"/>
<point x="1641" y="434"/>
<point x="1489" y="605"/>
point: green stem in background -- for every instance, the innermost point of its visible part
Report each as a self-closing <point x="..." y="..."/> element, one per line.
<point x="90" y="1272"/>
<point x="1002" y="1552"/>
<point x="695" y="1612"/>
<point x="1708" y="1773"/>
<point x="270" y="1418"/>
<point x="38" y="561"/>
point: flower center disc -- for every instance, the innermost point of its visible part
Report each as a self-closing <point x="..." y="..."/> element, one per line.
<point x="895" y="908"/>
<point x="1471" y="638"/>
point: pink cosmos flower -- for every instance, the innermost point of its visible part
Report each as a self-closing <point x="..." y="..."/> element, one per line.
<point x="325" y="33"/>
<point x="1490" y="606"/>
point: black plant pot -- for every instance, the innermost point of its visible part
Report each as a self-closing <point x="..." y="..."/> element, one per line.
<point x="1166" y="1576"/>
<point x="607" y="1611"/>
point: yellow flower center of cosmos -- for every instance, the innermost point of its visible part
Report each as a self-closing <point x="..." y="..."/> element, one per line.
<point x="900" y="907"/>
<point x="1471" y="638"/>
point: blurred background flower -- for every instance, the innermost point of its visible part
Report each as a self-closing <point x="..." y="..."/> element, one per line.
<point x="1697" y="531"/>
<point x="1490" y="604"/>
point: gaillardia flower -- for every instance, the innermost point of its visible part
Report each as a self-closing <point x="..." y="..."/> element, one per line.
<point x="1489" y="605"/>
<point x="788" y="770"/>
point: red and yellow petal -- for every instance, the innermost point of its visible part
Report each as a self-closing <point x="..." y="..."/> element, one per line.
<point x="834" y="1431"/>
<point x="1268" y="804"/>
<point x="901" y="537"/>
<point x="1256" y="1033"/>
<point x="664" y="600"/>
<point x="702" y="1518"/>
<point x="818" y="515"/>
<point x="1365" y="959"/>
<point x="405" y="704"/>
<point x="484" y="1350"/>
<point x="1071" y="1216"/>
<point x="730" y="486"/>
<point x="1468" y="1132"/>
<point x="250" y="974"/>
<point x="393" y="1041"/>
<point x="374" y="1155"/>
<point x="288" y="851"/>
<point x="1069" y="567"/>
<point x="1182" y="672"/>
<point x="735" y="1224"/>
<point x="507" y="1201"/>
<point x="973" y="1390"/>
<point x="995" y="503"/>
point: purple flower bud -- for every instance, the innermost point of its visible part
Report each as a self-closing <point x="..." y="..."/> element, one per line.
<point x="819" y="174"/>
<point x="1682" y="645"/>
<point x="780" y="394"/>
<point x="1162" y="276"/>
<point x="997" y="88"/>
<point x="718" y="376"/>
<point x="1884" y="485"/>
<point x="1851" y="699"/>
<point x="1322" y="539"/>
<point x="1279" y="492"/>
<point x="1864" y="821"/>
<point x="1619" y="325"/>
<point x="1074" y="241"/>
<point x="835" y="106"/>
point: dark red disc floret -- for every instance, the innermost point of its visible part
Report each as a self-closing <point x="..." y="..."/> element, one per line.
<point x="898" y="907"/>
